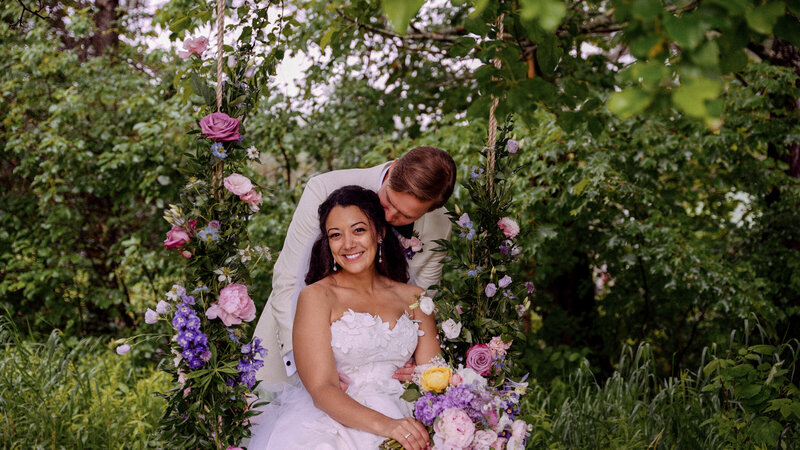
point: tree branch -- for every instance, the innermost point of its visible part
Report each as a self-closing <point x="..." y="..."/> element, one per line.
<point x="25" y="9"/>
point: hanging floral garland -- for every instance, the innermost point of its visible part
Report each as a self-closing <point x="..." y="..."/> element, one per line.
<point x="213" y="359"/>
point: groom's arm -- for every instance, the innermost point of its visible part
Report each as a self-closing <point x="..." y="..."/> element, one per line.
<point x="288" y="272"/>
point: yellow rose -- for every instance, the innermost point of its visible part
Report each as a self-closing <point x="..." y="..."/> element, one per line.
<point x="435" y="379"/>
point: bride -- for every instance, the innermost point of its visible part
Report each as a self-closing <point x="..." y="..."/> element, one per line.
<point x="354" y="321"/>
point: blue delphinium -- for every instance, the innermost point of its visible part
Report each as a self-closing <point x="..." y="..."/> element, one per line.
<point x="193" y="341"/>
<point x="250" y="363"/>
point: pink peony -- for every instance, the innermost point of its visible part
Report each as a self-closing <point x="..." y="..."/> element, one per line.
<point x="519" y="431"/>
<point x="219" y="126"/>
<point x="499" y="444"/>
<point x="238" y="184"/>
<point x="498" y="347"/>
<point x="176" y="237"/>
<point x="484" y="439"/>
<point x="193" y="46"/>
<point x="252" y="198"/>
<point x="509" y="226"/>
<point x="454" y="429"/>
<point x="479" y="358"/>
<point x="233" y="306"/>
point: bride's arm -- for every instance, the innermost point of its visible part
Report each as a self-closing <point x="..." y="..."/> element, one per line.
<point x="428" y="343"/>
<point x="317" y="370"/>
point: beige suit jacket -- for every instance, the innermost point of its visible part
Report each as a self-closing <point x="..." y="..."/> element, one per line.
<point x="276" y="320"/>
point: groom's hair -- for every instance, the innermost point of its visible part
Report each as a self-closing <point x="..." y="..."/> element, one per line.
<point x="394" y="264"/>
<point x="427" y="173"/>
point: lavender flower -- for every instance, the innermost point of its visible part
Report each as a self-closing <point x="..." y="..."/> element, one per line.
<point x="251" y="362"/>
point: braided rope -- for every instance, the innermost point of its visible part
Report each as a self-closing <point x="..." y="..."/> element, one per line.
<point x="220" y="42"/>
<point x="490" y="157"/>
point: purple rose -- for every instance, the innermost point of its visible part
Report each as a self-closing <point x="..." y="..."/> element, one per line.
<point x="220" y="127"/>
<point x="512" y="146"/>
<point x="490" y="290"/>
<point x="530" y="287"/>
<point x="479" y="358"/>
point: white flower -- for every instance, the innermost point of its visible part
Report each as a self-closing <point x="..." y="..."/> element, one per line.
<point x="122" y="349"/>
<point x="245" y="254"/>
<point x="232" y="61"/>
<point x="263" y="252"/>
<point x="504" y="282"/>
<point x="451" y="328"/>
<point x="150" y="316"/>
<point x="225" y="274"/>
<point x="252" y="152"/>
<point x="469" y="376"/>
<point x="162" y="307"/>
<point x="426" y="304"/>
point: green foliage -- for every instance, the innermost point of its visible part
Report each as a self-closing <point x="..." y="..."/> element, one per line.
<point x="634" y="408"/>
<point x="67" y="393"/>
<point x="88" y="155"/>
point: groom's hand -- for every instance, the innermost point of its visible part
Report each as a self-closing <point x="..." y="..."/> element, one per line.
<point x="405" y="373"/>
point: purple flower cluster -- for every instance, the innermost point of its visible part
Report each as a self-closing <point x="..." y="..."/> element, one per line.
<point x="430" y="405"/>
<point x="252" y="360"/>
<point x="193" y="341"/>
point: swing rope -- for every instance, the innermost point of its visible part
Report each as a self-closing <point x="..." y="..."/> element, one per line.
<point x="490" y="156"/>
<point x="220" y="42"/>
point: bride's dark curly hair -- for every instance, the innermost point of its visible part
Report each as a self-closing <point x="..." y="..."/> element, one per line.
<point x="394" y="265"/>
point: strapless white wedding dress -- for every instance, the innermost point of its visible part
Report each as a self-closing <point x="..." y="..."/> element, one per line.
<point x="368" y="351"/>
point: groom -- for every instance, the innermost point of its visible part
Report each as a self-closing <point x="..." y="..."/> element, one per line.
<point x="412" y="191"/>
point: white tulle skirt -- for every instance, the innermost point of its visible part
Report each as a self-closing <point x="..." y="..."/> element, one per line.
<point x="292" y="421"/>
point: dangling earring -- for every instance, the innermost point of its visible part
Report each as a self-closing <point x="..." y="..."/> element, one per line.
<point x="380" y="258"/>
<point x="334" y="263"/>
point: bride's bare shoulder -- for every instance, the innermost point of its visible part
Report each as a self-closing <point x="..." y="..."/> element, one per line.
<point x="319" y="291"/>
<point x="407" y="292"/>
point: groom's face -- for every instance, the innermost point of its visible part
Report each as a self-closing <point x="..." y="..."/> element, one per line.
<point x="401" y="208"/>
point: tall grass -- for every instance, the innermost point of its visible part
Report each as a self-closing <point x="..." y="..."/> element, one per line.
<point x="60" y="394"/>
<point x="634" y="409"/>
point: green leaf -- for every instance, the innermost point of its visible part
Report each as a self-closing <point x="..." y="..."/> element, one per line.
<point x="691" y="96"/>
<point x="326" y="38"/>
<point x="762" y="349"/>
<point x="579" y="187"/>
<point x="549" y="13"/>
<point x="548" y="55"/>
<point x="748" y="390"/>
<point x="685" y="31"/>
<point x="480" y="5"/>
<point x="411" y="394"/>
<point x="788" y="29"/>
<point x="707" y="55"/>
<point x="646" y="10"/>
<point x="763" y="18"/>
<point x="629" y="102"/>
<point x="400" y="12"/>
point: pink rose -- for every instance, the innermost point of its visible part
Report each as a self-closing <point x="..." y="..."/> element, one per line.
<point x="498" y="347"/>
<point x="252" y="198"/>
<point x="484" y="439"/>
<point x="454" y="429"/>
<point x="176" y="237"/>
<point x="233" y="306"/>
<point x="238" y="184"/>
<point x="509" y="226"/>
<point x="455" y="379"/>
<point x="479" y="358"/>
<point x="193" y="46"/>
<point x="414" y="244"/>
<point x="219" y="126"/>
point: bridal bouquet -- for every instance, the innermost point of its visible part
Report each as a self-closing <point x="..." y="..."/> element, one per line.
<point x="460" y="406"/>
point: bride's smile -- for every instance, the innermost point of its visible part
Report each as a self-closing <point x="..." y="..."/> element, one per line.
<point x="352" y="238"/>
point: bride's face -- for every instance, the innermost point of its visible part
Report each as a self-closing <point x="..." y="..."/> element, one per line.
<point x="352" y="238"/>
